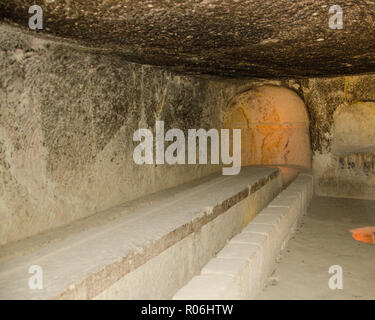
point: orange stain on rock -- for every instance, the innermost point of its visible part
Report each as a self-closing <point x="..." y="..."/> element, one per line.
<point x="274" y="128"/>
<point x="366" y="234"/>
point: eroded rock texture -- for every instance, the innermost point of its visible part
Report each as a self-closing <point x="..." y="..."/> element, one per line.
<point x="342" y="125"/>
<point x="67" y="120"/>
<point x="242" y="38"/>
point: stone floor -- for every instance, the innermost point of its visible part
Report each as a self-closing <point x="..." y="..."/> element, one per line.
<point x="322" y="239"/>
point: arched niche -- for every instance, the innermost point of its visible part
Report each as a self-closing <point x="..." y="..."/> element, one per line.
<point x="274" y="129"/>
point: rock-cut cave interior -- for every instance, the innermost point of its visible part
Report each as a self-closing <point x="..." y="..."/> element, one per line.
<point x="187" y="150"/>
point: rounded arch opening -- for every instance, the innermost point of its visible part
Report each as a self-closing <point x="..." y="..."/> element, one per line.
<point x="274" y="129"/>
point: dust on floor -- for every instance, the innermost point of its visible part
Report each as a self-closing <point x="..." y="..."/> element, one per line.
<point x="322" y="240"/>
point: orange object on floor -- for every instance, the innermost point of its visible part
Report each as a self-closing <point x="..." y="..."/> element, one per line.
<point x="366" y="234"/>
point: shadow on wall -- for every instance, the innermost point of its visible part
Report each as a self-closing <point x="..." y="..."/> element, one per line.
<point x="349" y="170"/>
<point x="275" y="129"/>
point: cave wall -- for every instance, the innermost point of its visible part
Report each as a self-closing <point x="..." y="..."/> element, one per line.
<point x="341" y="113"/>
<point x="342" y="127"/>
<point x="67" y="118"/>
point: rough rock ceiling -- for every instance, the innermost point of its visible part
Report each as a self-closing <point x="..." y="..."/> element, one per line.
<point x="237" y="38"/>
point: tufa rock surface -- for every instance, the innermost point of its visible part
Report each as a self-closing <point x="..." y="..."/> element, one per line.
<point x="242" y="38"/>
